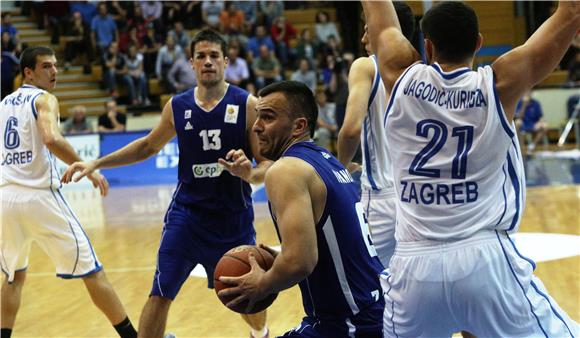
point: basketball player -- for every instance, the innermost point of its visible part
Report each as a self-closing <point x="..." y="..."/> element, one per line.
<point x="211" y="211"/>
<point x="33" y="208"/>
<point x="365" y="108"/>
<point x="459" y="176"/>
<point x="326" y="246"/>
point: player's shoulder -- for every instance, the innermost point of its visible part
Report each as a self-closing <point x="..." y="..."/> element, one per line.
<point x="364" y="64"/>
<point x="288" y="168"/>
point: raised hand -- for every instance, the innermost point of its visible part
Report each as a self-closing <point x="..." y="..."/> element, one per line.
<point x="237" y="163"/>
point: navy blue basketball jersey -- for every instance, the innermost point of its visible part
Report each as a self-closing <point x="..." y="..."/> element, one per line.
<point x="203" y="137"/>
<point x="346" y="277"/>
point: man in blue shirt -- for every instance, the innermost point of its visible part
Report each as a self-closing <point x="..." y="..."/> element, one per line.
<point x="529" y="120"/>
<point x="103" y="30"/>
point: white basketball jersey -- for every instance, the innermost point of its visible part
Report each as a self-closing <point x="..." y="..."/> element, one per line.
<point x="26" y="160"/>
<point x="456" y="160"/>
<point x="376" y="168"/>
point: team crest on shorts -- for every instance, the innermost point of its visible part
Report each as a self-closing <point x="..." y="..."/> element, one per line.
<point x="231" y="113"/>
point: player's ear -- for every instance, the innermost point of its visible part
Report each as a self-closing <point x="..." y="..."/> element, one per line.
<point x="300" y="126"/>
<point x="226" y="60"/>
<point x="479" y="42"/>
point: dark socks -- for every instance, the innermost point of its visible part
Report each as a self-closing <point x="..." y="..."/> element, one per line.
<point x="5" y="333"/>
<point x="125" y="329"/>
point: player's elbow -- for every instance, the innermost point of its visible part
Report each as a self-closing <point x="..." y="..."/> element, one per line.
<point x="348" y="133"/>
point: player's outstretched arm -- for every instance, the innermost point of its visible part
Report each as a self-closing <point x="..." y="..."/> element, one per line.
<point x="394" y="52"/>
<point x="520" y="69"/>
<point x="287" y="185"/>
<point x="360" y="81"/>
<point x="135" y="151"/>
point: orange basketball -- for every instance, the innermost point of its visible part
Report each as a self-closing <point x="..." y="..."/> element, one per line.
<point x="236" y="262"/>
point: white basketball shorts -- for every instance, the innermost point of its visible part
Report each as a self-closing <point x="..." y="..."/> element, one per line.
<point x="481" y="285"/>
<point x="381" y="212"/>
<point x="44" y="216"/>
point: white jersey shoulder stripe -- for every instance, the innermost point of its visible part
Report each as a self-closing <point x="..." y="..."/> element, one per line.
<point x="504" y="123"/>
<point x="450" y="75"/>
<point x="376" y="81"/>
<point x="33" y="106"/>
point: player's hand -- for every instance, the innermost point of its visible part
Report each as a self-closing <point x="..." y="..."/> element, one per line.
<point x="238" y="164"/>
<point x="353" y="167"/>
<point x="85" y="168"/>
<point x="99" y="181"/>
<point x="247" y="287"/>
<point x="272" y="251"/>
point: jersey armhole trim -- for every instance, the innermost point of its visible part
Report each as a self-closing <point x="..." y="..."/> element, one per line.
<point x="501" y="114"/>
<point x="34" y="112"/>
<point x="394" y="91"/>
<point x="376" y="80"/>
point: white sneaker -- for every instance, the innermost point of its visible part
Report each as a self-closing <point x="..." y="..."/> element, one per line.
<point x="170" y="335"/>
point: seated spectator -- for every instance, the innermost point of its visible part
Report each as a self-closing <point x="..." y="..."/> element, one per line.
<point x="151" y="44"/>
<point x="77" y="122"/>
<point x="181" y="76"/>
<point x="7" y="44"/>
<point x="326" y="127"/>
<point x="270" y="10"/>
<point x="237" y="72"/>
<point x="210" y="13"/>
<point x="324" y="28"/>
<point x="332" y="47"/>
<point x="307" y="48"/>
<point x="255" y="42"/>
<point x="112" y="120"/>
<point x="231" y="20"/>
<point x="282" y="31"/>
<point x="116" y="70"/>
<point x="103" y="30"/>
<point x="9" y="69"/>
<point x="78" y="43"/>
<point x="167" y="55"/>
<point x="135" y="67"/>
<point x="305" y="75"/>
<point x="152" y="11"/>
<point x="120" y="10"/>
<point x="250" y="10"/>
<point x="266" y="67"/>
<point x="7" y="26"/>
<point x="529" y="120"/>
<point x="180" y="36"/>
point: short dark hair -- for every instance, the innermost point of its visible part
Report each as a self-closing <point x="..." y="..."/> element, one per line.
<point x="209" y="35"/>
<point x="300" y="98"/>
<point x="28" y="56"/>
<point x="453" y="28"/>
<point x="406" y="19"/>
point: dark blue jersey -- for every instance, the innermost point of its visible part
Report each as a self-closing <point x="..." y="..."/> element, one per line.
<point x="345" y="280"/>
<point x="203" y="137"/>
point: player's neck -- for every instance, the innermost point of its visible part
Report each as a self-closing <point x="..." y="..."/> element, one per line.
<point x="206" y="94"/>
<point x="451" y="66"/>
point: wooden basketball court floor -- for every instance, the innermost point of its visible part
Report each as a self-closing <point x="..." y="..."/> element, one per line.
<point x="125" y="229"/>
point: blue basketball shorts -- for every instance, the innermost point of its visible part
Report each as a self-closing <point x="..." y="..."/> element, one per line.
<point x="366" y="324"/>
<point x="194" y="236"/>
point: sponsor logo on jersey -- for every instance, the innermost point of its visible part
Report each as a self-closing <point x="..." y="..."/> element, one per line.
<point x="187" y="114"/>
<point x="231" y="113"/>
<point x="207" y="170"/>
<point x="188" y="126"/>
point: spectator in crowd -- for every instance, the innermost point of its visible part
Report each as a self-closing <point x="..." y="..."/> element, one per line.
<point x="250" y="10"/>
<point x="88" y="11"/>
<point x="135" y="68"/>
<point x="151" y="45"/>
<point x="9" y="68"/>
<point x="270" y="11"/>
<point x="266" y="67"/>
<point x="129" y="38"/>
<point x="78" y="42"/>
<point x="237" y="72"/>
<point x="103" y="30"/>
<point x="339" y="87"/>
<point x="119" y="11"/>
<point x="7" y="26"/>
<point x="231" y="19"/>
<point x="305" y="75"/>
<point x="116" y="70"/>
<point x="210" y="13"/>
<point x="168" y="54"/>
<point x="112" y="120"/>
<point x="325" y="28"/>
<point x="187" y="12"/>
<point x="528" y="120"/>
<point x="282" y="31"/>
<point x="326" y="71"/>
<point x="56" y="14"/>
<point x="77" y="122"/>
<point x="7" y="44"/>
<point x="152" y="11"/>
<point x="574" y="71"/>
<point x="180" y="36"/>
<point x="307" y="48"/>
<point x="181" y="76"/>
<point x="138" y="22"/>
<point x="326" y="127"/>
<point x="255" y="42"/>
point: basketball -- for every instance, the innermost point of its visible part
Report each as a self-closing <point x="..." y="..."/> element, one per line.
<point x="236" y="263"/>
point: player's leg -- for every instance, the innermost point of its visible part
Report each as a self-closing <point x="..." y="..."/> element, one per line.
<point x="540" y="130"/>
<point x="257" y="323"/>
<point x="380" y="211"/>
<point x="66" y="243"/>
<point x="11" y="296"/>
<point x="175" y="261"/>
